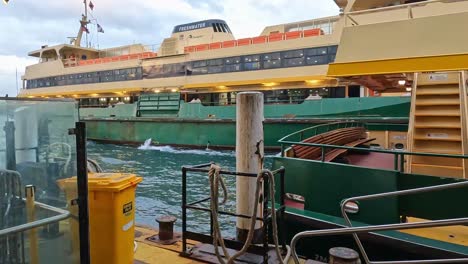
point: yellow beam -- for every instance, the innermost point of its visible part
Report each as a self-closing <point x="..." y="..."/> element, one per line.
<point x="454" y="62"/>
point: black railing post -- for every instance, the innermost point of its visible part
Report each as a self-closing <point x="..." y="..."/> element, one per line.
<point x="82" y="182"/>
<point x="395" y="161"/>
<point x="10" y="152"/>
<point x="184" y="211"/>
<point x="402" y="162"/>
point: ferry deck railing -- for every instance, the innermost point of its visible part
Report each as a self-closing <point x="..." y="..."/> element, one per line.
<point x="404" y="12"/>
<point x="399" y="155"/>
<point x="387" y="227"/>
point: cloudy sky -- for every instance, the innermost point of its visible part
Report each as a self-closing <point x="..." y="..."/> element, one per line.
<point x="28" y="24"/>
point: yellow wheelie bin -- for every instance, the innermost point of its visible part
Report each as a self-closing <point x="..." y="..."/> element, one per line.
<point x="111" y="203"/>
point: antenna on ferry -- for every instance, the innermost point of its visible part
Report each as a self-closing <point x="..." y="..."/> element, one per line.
<point x="83" y="26"/>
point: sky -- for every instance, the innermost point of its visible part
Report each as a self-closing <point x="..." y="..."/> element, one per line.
<point x="29" y="24"/>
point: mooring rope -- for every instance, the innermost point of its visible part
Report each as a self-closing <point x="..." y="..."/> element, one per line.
<point x="215" y="178"/>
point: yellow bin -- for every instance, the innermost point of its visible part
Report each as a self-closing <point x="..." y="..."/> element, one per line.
<point x="111" y="202"/>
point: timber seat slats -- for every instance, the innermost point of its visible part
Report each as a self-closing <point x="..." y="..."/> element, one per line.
<point x="337" y="152"/>
<point x="352" y="136"/>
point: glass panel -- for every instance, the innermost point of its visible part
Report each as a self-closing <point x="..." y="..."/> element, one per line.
<point x="317" y="60"/>
<point x="35" y="149"/>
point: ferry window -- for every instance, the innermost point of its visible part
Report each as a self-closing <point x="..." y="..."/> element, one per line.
<point x="214" y="27"/>
<point x="215" y="62"/>
<point x="232" y="60"/>
<point x="200" y="70"/>
<point x="218" y="27"/>
<point x="293" y="54"/>
<point x="332" y="49"/>
<point x="316" y="51"/>
<point x="293" y="62"/>
<point x="272" y="60"/>
<point x="223" y="28"/>
<point x="233" y="68"/>
<point x="272" y="56"/>
<point x="197" y="64"/>
<point x="215" y="69"/>
<point x="331" y="58"/>
<point x="317" y="60"/>
<point x="252" y="58"/>
<point x="228" y="29"/>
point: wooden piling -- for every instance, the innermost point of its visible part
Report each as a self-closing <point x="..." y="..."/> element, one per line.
<point x="249" y="151"/>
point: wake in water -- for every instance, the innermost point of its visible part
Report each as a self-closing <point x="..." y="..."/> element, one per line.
<point x="147" y="146"/>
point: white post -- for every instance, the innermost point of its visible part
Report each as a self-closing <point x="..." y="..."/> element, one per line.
<point x="249" y="142"/>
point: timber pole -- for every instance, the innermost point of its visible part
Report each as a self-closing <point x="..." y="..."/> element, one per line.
<point x="249" y="159"/>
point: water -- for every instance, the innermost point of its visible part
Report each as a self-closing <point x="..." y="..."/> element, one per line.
<point x="160" y="192"/>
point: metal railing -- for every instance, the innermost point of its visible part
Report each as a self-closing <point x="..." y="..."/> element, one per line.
<point x="387" y="227"/>
<point x="265" y="219"/>
<point x="399" y="156"/>
<point x="406" y="12"/>
<point x="62" y="215"/>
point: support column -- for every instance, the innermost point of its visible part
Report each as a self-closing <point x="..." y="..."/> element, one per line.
<point x="249" y="144"/>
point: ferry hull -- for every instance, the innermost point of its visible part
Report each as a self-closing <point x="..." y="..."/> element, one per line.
<point x="195" y="125"/>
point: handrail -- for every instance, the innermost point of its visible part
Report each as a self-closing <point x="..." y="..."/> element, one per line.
<point x="319" y="126"/>
<point x="365" y="229"/>
<point x="62" y="215"/>
<point x="386" y="8"/>
<point x="390" y="194"/>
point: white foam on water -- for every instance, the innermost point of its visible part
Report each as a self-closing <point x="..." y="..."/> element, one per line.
<point x="169" y="149"/>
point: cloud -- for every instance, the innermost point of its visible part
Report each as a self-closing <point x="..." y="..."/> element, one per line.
<point x="29" y="24"/>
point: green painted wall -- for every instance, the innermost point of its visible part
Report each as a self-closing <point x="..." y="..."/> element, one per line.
<point x="121" y="111"/>
<point x="337" y="107"/>
<point x="325" y="185"/>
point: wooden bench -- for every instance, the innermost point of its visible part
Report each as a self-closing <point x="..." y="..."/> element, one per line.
<point x="351" y="137"/>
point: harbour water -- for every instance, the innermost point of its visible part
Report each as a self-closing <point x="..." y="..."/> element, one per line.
<point x="160" y="192"/>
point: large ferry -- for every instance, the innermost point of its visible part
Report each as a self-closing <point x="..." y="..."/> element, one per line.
<point x="191" y="80"/>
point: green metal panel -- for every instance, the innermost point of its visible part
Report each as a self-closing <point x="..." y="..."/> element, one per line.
<point x="370" y="107"/>
<point x="325" y="185"/>
<point x="119" y="111"/>
<point x="444" y="204"/>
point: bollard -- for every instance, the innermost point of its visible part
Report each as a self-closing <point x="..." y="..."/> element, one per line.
<point x="342" y="255"/>
<point x="249" y="150"/>
<point x="166" y="227"/>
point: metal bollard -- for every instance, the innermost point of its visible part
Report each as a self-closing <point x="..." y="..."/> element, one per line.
<point x="342" y="255"/>
<point x="166" y="227"/>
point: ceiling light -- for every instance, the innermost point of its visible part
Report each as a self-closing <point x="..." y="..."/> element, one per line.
<point x="313" y="81"/>
<point x="270" y="84"/>
<point x="401" y="82"/>
<point x="174" y="90"/>
<point x="408" y="89"/>
<point x="157" y="91"/>
<point x="95" y="95"/>
<point x="221" y="87"/>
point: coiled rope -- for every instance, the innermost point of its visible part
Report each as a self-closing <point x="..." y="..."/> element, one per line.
<point x="215" y="179"/>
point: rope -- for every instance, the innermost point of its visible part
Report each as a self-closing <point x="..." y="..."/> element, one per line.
<point x="215" y="178"/>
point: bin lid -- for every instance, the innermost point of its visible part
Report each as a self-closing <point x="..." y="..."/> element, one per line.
<point x="112" y="182"/>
